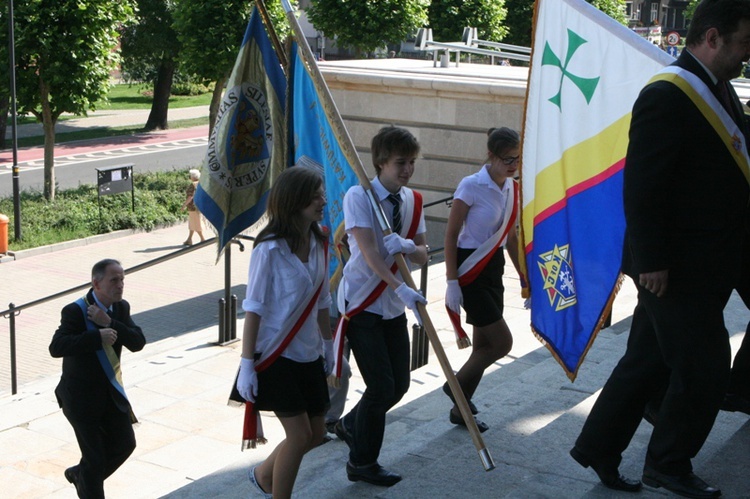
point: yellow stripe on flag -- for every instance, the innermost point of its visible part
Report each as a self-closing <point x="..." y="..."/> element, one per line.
<point x="579" y="164"/>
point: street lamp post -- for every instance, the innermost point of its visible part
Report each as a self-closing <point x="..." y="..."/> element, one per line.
<point x="14" y="124"/>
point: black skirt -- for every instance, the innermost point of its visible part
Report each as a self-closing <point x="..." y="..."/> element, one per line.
<point x="483" y="298"/>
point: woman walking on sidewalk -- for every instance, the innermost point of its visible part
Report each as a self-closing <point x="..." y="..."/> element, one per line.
<point x="287" y="329"/>
<point x="481" y="220"/>
<point x="194" y="216"/>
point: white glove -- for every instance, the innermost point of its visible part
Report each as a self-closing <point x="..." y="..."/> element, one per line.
<point x="411" y="297"/>
<point x="454" y="298"/>
<point x="247" y="381"/>
<point x="397" y="244"/>
<point x="527" y="303"/>
<point x="328" y="356"/>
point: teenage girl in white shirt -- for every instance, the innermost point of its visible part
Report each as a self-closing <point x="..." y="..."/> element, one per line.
<point x="284" y="266"/>
<point x="477" y="212"/>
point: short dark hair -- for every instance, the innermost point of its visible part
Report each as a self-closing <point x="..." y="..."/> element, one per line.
<point x="724" y="15"/>
<point x="502" y="139"/>
<point x="392" y="140"/>
<point x="100" y="268"/>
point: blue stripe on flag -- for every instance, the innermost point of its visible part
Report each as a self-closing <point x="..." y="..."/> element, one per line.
<point x="574" y="268"/>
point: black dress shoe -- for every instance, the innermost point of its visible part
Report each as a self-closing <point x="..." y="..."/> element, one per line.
<point x="610" y="477"/>
<point x="374" y="474"/>
<point x="458" y="420"/>
<point x="447" y="391"/>
<point x="71" y="475"/>
<point x="340" y="430"/>
<point x="736" y="403"/>
<point x="687" y="485"/>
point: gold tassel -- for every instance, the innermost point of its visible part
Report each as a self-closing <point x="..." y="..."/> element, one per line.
<point x="463" y="342"/>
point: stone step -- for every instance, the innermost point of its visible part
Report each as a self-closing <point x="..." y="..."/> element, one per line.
<point x="534" y="413"/>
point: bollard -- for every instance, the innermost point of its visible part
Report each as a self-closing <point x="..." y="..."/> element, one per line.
<point x="3" y="234"/>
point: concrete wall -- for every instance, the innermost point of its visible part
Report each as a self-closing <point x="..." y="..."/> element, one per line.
<point x="448" y="109"/>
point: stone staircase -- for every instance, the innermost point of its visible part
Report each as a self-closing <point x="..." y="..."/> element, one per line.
<point x="534" y="414"/>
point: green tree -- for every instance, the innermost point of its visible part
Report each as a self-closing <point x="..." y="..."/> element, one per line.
<point x="367" y="25"/>
<point x="211" y="32"/>
<point x="65" y="52"/>
<point x="690" y="9"/>
<point x="4" y="74"/>
<point x="448" y="18"/>
<point x="518" y="21"/>
<point x="613" y="8"/>
<point x="150" y="49"/>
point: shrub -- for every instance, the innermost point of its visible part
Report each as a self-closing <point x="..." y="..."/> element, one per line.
<point x="80" y="212"/>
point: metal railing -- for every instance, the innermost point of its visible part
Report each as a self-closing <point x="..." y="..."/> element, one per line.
<point x="469" y="45"/>
<point x="227" y="304"/>
<point x="420" y="344"/>
<point x="227" y="321"/>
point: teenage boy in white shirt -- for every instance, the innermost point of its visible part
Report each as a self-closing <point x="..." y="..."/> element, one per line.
<point x="378" y="335"/>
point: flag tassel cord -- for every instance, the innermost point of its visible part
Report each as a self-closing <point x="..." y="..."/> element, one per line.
<point x="347" y="145"/>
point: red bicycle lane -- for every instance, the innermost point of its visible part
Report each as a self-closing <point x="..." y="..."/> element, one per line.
<point x="104" y="144"/>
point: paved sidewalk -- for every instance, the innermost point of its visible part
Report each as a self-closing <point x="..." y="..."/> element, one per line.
<point x="188" y="438"/>
<point x="107" y="118"/>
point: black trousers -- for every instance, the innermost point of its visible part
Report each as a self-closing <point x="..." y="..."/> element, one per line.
<point x="678" y="341"/>
<point x="106" y="441"/>
<point x="381" y="349"/>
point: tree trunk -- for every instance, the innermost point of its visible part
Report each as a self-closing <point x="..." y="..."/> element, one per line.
<point x="213" y="109"/>
<point x="48" y="124"/>
<point x="49" y="160"/>
<point x="4" y="108"/>
<point x="157" y="119"/>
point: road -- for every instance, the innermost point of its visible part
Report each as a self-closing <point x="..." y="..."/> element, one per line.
<point x="76" y="162"/>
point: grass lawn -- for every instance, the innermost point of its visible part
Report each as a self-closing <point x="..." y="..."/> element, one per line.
<point x="138" y="96"/>
<point x="131" y="96"/>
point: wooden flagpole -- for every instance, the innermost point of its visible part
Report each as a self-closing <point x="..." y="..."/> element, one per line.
<point x="351" y="154"/>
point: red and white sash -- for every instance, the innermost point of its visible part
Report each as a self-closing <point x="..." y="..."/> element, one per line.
<point x="252" y="431"/>
<point x="477" y="261"/>
<point x="374" y="287"/>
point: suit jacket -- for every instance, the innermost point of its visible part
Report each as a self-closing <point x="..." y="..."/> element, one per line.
<point x="84" y="389"/>
<point x="685" y="198"/>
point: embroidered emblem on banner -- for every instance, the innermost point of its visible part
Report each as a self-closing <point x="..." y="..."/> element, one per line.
<point x="238" y="150"/>
<point x="557" y="273"/>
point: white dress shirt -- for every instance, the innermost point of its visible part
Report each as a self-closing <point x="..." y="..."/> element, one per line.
<point x="359" y="213"/>
<point x="486" y="202"/>
<point x="278" y="281"/>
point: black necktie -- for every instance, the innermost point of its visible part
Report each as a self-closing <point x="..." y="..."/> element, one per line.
<point x="395" y="199"/>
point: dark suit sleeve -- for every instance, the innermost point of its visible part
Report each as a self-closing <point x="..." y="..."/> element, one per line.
<point x="128" y="334"/>
<point x="652" y="165"/>
<point x="72" y="337"/>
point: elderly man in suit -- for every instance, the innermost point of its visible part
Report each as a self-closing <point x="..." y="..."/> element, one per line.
<point x="90" y="338"/>
<point x="686" y="199"/>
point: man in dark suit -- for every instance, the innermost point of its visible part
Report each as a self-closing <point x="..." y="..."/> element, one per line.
<point x="90" y="338"/>
<point x="686" y="195"/>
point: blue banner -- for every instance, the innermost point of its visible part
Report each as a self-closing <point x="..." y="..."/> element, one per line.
<point x="317" y="144"/>
<point x="247" y="147"/>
